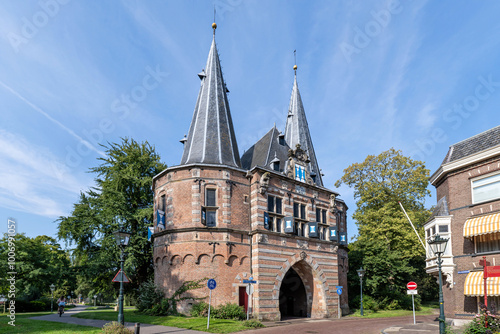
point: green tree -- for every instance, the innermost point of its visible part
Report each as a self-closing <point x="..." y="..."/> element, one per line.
<point x="386" y="245"/>
<point x="121" y="199"/>
<point x="39" y="262"/>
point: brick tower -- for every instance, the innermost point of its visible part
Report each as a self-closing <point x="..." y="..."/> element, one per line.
<point x="266" y="216"/>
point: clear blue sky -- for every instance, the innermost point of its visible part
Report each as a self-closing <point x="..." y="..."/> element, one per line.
<point x="413" y="75"/>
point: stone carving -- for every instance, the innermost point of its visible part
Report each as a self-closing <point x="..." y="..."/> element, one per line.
<point x="302" y="244"/>
<point x="284" y="185"/>
<point x="298" y="157"/>
<point x="264" y="182"/>
<point x="263" y="238"/>
<point x="332" y="207"/>
<point x="303" y="255"/>
<point x="334" y="248"/>
<point x="283" y="241"/>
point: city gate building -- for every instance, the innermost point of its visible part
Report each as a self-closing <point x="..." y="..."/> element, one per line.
<point x="265" y="215"/>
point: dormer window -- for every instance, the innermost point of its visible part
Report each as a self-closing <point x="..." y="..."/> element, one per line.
<point x="281" y="139"/>
<point x="275" y="163"/>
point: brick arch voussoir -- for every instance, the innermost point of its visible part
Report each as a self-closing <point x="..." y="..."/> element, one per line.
<point x="289" y="263"/>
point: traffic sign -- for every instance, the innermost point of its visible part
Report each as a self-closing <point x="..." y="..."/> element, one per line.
<point x="339" y="292"/>
<point x="249" y="281"/>
<point x="121" y="277"/>
<point x="249" y="289"/>
<point x="493" y="271"/>
<point x="411" y="292"/>
<point x="339" y="287"/>
<point x="411" y="285"/>
<point x="211" y="284"/>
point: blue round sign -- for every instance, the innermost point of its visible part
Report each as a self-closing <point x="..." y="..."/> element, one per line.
<point x="211" y="284"/>
<point x="339" y="291"/>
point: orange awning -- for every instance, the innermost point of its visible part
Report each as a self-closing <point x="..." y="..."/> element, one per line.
<point x="482" y="225"/>
<point x="474" y="284"/>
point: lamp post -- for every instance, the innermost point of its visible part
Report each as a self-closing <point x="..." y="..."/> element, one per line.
<point x="122" y="239"/>
<point x="361" y="273"/>
<point x="52" y="288"/>
<point x="95" y="299"/>
<point x="438" y="246"/>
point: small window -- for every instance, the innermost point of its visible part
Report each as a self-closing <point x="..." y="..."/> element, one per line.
<point x="318" y="215"/>
<point x="210" y="199"/>
<point x="276" y="166"/>
<point x="211" y="218"/>
<point x="279" y="205"/>
<point x="162" y="203"/>
<point x="281" y="139"/>
<point x="270" y="203"/>
<point x="486" y="188"/>
<point x="302" y="211"/>
<point x="278" y="225"/>
<point x="296" y="210"/>
<point x="443" y="228"/>
<point x="323" y="214"/>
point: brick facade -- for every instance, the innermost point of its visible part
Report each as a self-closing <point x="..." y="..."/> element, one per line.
<point x="244" y="247"/>
<point x="453" y="181"/>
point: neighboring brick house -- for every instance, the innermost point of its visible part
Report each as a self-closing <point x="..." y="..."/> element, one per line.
<point x="468" y="212"/>
<point x="266" y="216"/>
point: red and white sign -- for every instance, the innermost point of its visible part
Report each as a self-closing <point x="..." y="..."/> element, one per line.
<point x="411" y="285"/>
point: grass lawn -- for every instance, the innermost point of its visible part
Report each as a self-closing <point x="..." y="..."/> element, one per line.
<point x="200" y="324"/>
<point x="425" y="310"/>
<point x="25" y="325"/>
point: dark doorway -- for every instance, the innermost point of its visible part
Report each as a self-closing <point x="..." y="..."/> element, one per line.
<point x="243" y="297"/>
<point x="293" y="298"/>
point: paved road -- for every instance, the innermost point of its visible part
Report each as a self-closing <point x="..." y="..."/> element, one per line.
<point x="425" y="325"/>
<point x="145" y="328"/>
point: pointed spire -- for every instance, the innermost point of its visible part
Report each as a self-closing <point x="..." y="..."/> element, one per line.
<point x="297" y="130"/>
<point x="211" y="136"/>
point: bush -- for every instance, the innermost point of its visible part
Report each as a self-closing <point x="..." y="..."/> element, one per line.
<point x="162" y="308"/>
<point x="229" y="311"/>
<point x="253" y="323"/>
<point x="478" y="324"/>
<point x="150" y="295"/>
<point x="39" y="305"/>
<point x="115" y="328"/>
<point x="199" y="310"/>
<point x="370" y="303"/>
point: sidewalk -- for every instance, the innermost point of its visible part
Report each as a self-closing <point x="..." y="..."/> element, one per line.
<point x="421" y="328"/>
<point x="145" y="328"/>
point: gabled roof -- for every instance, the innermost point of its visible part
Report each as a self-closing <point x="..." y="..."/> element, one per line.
<point x="211" y="138"/>
<point x="475" y="144"/>
<point x="265" y="151"/>
<point x="297" y="131"/>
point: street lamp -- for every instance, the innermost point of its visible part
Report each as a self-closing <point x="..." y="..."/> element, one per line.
<point x="438" y="246"/>
<point x="122" y="239"/>
<point x="95" y="299"/>
<point x="361" y="273"/>
<point x="52" y="288"/>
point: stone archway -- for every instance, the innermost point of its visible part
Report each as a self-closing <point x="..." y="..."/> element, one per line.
<point x="293" y="297"/>
<point x="314" y="283"/>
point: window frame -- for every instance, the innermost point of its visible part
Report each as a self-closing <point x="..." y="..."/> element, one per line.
<point x="211" y="209"/>
<point x="479" y="178"/>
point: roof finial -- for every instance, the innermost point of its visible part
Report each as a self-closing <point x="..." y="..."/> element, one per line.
<point x="214" y="25"/>
<point x="295" y="57"/>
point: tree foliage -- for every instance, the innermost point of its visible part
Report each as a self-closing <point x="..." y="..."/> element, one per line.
<point x="39" y="262"/>
<point x="121" y="199"/>
<point x="387" y="246"/>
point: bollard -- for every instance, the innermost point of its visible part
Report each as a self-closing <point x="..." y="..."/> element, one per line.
<point x="137" y="328"/>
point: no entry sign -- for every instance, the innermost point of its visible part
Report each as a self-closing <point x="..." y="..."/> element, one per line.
<point x="411" y="285"/>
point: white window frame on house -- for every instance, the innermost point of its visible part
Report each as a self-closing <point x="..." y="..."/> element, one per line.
<point x="211" y="208"/>
<point x="491" y="180"/>
<point x="438" y="226"/>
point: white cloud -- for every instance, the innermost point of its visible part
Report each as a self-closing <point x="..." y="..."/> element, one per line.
<point x="32" y="179"/>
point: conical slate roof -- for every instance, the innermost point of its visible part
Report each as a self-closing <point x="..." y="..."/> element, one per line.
<point x="297" y="131"/>
<point x="211" y="136"/>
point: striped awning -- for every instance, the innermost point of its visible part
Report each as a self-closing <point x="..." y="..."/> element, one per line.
<point x="474" y="284"/>
<point x="482" y="225"/>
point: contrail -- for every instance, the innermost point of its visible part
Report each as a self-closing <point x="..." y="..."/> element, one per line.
<point x="65" y="128"/>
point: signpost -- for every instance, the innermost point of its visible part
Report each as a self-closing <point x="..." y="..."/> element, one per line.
<point x="249" y="290"/>
<point x="212" y="284"/>
<point x="412" y="290"/>
<point x="339" y="292"/>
